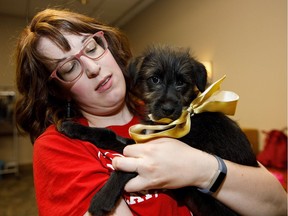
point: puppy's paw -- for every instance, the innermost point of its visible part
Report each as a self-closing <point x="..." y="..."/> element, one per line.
<point x="101" y="206"/>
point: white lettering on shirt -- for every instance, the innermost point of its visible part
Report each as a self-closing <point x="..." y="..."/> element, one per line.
<point x="139" y="197"/>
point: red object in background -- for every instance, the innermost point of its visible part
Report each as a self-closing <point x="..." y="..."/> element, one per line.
<point x="274" y="155"/>
<point x="275" y="150"/>
<point x="281" y="175"/>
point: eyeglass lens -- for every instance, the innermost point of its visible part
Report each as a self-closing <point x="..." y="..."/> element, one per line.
<point x="73" y="67"/>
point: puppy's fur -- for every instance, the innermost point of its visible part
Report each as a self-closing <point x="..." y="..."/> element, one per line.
<point x="167" y="80"/>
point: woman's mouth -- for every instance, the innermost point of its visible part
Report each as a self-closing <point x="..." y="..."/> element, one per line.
<point x="104" y="84"/>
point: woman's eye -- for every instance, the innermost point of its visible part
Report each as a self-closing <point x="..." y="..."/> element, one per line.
<point x="68" y="67"/>
<point x="91" y="48"/>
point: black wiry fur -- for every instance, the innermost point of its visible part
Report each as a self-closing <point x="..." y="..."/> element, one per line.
<point x="167" y="80"/>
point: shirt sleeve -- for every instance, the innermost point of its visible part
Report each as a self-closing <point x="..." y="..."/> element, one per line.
<point x="67" y="173"/>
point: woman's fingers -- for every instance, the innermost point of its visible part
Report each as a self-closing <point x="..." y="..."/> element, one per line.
<point x="136" y="184"/>
<point x="140" y="182"/>
<point x="164" y="163"/>
<point x="125" y="164"/>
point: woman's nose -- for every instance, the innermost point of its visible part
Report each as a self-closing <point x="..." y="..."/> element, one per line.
<point x="91" y="67"/>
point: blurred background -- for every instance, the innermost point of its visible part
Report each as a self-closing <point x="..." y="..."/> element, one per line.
<point x="246" y="40"/>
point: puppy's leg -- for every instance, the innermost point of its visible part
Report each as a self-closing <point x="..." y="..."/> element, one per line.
<point x="100" y="137"/>
<point x="105" y="200"/>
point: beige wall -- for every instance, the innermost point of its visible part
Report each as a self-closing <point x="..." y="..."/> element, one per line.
<point x="244" y="39"/>
<point x="10" y="28"/>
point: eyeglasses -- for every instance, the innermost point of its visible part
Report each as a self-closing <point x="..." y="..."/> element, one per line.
<point x="70" y="70"/>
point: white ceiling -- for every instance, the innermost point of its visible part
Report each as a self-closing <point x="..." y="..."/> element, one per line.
<point x="114" y="12"/>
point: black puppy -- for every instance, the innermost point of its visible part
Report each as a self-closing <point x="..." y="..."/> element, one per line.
<point x="167" y="80"/>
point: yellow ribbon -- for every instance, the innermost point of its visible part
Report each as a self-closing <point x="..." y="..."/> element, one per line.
<point x="211" y="100"/>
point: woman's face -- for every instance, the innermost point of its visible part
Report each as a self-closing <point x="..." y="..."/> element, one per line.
<point x="101" y="88"/>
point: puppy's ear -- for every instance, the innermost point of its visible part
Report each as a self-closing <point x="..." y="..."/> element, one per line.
<point x="201" y="76"/>
<point x="133" y="71"/>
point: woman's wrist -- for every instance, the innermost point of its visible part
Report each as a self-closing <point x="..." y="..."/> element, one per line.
<point x="203" y="170"/>
<point x="217" y="179"/>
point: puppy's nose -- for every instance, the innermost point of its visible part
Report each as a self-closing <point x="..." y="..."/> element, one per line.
<point x="167" y="109"/>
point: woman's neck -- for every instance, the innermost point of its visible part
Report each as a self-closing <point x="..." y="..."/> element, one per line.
<point x="123" y="116"/>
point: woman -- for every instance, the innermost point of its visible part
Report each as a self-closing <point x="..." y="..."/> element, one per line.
<point x="71" y="66"/>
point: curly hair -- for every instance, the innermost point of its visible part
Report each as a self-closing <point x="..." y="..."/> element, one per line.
<point x="40" y="104"/>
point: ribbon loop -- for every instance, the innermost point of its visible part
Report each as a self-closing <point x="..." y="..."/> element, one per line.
<point x="211" y="100"/>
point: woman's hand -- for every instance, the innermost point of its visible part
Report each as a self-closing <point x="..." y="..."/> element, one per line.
<point x="169" y="163"/>
<point x="166" y="163"/>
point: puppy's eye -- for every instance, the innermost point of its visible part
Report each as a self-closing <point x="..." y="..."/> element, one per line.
<point x="154" y="79"/>
<point x="179" y="83"/>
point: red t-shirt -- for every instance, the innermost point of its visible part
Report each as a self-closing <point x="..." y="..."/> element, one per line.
<point x="68" y="172"/>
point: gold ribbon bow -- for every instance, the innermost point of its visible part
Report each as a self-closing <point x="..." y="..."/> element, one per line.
<point x="211" y="100"/>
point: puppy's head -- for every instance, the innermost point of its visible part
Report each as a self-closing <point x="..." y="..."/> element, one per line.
<point x="166" y="80"/>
